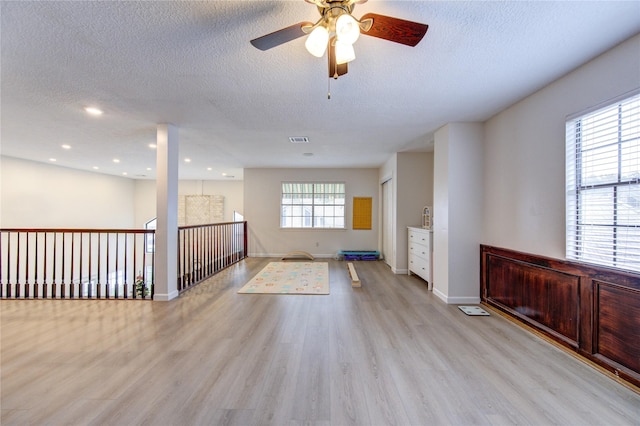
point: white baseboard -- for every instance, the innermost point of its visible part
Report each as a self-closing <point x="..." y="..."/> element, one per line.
<point x="166" y="297"/>
<point x="281" y="255"/>
<point x="471" y="300"/>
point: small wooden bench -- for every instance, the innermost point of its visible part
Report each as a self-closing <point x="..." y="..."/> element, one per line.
<point x="297" y="255"/>
<point x="355" y="281"/>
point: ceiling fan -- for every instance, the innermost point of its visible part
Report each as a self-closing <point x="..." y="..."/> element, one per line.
<point x="337" y="30"/>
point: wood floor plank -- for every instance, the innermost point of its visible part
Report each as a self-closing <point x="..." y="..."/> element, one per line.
<point x="312" y="387"/>
<point x="389" y="352"/>
<point x="279" y="388"/>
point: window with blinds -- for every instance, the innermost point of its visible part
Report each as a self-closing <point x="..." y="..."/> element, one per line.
<point x="312" y="205"/>
<point x="603" y="186"/>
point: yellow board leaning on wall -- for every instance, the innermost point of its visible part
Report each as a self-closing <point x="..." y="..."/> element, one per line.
<point x="362" y="212"/>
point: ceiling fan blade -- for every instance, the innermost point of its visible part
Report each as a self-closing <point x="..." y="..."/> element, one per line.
<point x="396" y="30"/>
<point x="279" y="37"/>
<point x="327" y="3"/>
<point x="335" y="70"/>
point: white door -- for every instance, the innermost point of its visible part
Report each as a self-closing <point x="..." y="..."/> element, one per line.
<point x="387" y="223"/>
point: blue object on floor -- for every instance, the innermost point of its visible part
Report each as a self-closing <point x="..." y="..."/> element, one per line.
<point x="359" y="255"/>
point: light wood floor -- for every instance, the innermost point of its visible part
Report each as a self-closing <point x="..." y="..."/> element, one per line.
<point x="387" y="353"/>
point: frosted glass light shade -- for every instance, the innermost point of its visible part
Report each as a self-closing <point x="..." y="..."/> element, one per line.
<point x="317" y="41"/>
<point x="344" y="52"/>
<point x="347" y="29"/>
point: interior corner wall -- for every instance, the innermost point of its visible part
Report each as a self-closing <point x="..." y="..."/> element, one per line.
<point x="262" y="194"/>
<point x="457" y="219"/>
<point x="414" y="186"/>
<point x="524" y="178"/>
<point x="388" y="173"/>
<point x="38" y="195"/>
<point x="232" y="191"/>
<point x="440" y="218"/>
<point x="145" y="201"/>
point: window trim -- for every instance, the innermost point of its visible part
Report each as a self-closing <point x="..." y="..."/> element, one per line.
<point x="577" y="187"/>
<point x="150" y="239"/>
<point x="312" y="205"/>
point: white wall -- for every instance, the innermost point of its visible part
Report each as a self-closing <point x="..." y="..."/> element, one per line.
<point x="524" y="205"/>
<point x="145" y="201"/>
<point x="233" y="192"/>
<point x="440" y="218"/>
<point x="37" y="195"/>
<point x="412" y="187"/>
<point x="414" y="192"/>
<point x="457" y="220"/>
<point x="388" y="173"/>
<point x="262" y="192"/>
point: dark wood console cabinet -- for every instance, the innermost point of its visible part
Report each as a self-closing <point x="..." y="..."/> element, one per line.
<point x="594" y="311"/>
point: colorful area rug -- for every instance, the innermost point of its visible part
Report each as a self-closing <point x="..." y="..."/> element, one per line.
<point x="290" y="278"/>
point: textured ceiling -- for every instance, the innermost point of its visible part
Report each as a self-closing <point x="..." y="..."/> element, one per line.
<point x="191" y="64"/>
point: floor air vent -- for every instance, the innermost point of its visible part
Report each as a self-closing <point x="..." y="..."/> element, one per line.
<point x="298" y="139"/>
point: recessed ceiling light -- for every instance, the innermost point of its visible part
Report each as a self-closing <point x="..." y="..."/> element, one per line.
<point x="148" y="168"/>
<point x="209" y="168"/>
<point x="93" y="110"/>
<point x="65" y="146"/>
<point x="115" y="160"/>
<point x="52" y="160"/>
<point x="153" y="146"/>
<point x="224" y="174"/>
<point x="124" y="173"/>
<point x="187" y="160"/>
<point x="96" y="168"/>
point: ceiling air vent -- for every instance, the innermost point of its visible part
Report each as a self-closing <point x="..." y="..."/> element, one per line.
<point x="298" y="139"/>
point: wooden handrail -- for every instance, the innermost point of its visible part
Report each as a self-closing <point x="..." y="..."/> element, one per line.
<point x="205" y="250"/>
<point x="102" y="263"/>
<point x="75" y="263"/>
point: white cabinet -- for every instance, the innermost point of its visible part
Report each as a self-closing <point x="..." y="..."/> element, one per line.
<point x="419" y="253"/>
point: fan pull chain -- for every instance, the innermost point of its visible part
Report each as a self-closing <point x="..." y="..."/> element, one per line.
<point x="329" y="89"/>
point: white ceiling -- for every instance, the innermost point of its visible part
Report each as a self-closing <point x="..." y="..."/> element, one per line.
<point x="191" y="64"/>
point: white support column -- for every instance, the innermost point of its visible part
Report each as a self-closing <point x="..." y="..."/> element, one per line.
<point x="166" y="255"/>
<point x="457" y="217"/>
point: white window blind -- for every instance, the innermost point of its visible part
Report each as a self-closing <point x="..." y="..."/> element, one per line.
<point x="603" y="186"/>
<point x="312" y="205"/>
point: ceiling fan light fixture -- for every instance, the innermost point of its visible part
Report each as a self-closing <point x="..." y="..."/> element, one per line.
<point x="344" y="52"/>
<point x="347" y="29"/>
<point x="337" y="28"/>
<point x="317" y="41"/>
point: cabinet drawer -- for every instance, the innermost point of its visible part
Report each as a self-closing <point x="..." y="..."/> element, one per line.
<point x="419" y="237"/>
<point x="419" y="253"/>
<point x="419" y="266"/>
<point x="418" y="250"/>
